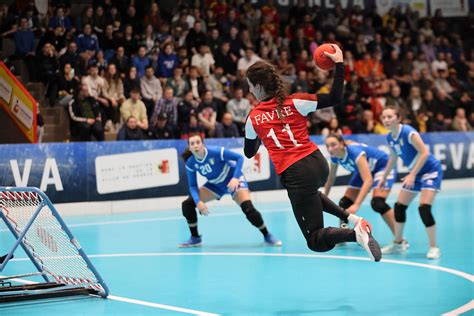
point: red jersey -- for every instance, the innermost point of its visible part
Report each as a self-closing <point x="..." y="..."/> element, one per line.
<point x="287" y="140"/>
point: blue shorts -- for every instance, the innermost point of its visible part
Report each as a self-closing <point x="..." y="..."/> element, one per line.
<point x="220" y="189"/>
<point x="356" y="180"/>
<point x="428" y="180"/>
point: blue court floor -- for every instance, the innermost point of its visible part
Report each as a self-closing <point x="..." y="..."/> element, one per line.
<point x="234" y="274"/>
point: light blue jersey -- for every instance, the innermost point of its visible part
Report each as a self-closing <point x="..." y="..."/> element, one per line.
<point x="218" y="166"/>
<point x="376" y="158"/>
<point x="430" y="175"/>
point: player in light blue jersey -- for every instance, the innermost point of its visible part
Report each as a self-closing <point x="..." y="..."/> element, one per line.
<point x="223" y="170"/>
<point x="367" y="165"/>
<point x="425" y="176"/>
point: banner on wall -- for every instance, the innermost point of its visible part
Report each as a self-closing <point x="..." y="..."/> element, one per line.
<point x="18" y="103"/>
<point x="450" y="8"/>
<point x="421" y="6"/>
<point x="103" y="171"/>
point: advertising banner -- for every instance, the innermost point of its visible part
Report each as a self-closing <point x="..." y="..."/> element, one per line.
<point x="450" y="8"/>
<point x="18" y="103"/>
<point x="104" y="171"/>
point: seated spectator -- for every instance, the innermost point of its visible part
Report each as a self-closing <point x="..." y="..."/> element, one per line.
<point x="131" y="81"/>
<point x="227" y="128"/>
<point x="95" y="84"/>
<point x="203" y="60"/>
<point x="177" y="83"/>
<point x="84" y="112"/>
<point x="59" y="19"/>
<point x="219" y="84"/>
<point x="121" y="61"/>
<point x="196" y="83"/>
<point x="113" y="92"/>
<point x="67" y="85"/>
<point x="368" y="122"/>
<point x="460" y="122"/>
<point x="48" y="69"/>
<point x="186" y="107"/>
<point x="239" y="108"/>
<point x="300" y="85"/>
<point x="87" y="44"/>
<point x="151" y="90"/>
<point x="167" y="62"/>
<point x="332" y="128"/>
<point x="25" y="47"/>
<point x="245" y="62"/>
<point x="141" y="61"/>
<point x="100" y="61"/>
<point x="167" y="105"/>
<point x="161" y="129"/>
<point x="71" y="56"/>
<point x="227" y="60"/>
<point x="438" y="123"/>
<point x="136" y="108"/>
<point x="130" y="130"/>
<point x="193" y="128"/>
<point x="207" y="113"/>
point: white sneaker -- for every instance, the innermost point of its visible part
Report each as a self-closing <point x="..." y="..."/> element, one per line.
<point x="433" y="253"/>
<point x="343" y="224"/>
<point x="363" y="232"/>
<point x="396" y="247"/>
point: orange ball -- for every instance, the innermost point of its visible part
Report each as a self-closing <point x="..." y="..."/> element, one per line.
<point x="321" y="60"/>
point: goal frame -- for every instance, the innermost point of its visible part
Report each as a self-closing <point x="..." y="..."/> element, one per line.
<point x="27" y="192"/>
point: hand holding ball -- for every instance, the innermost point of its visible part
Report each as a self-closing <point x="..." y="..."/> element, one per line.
<point x="326" y="55"/>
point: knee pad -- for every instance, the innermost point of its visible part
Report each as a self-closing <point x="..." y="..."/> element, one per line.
<point x="252" y="214"/>
<point x="345" y="202"/>
<point x="426" y="215"/>
<point x="400" y="213"/>
<point x="379" y="205"/>
<point x="189" y="210"/>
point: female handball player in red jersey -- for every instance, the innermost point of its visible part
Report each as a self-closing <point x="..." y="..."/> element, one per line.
<point x="279" y="120"/>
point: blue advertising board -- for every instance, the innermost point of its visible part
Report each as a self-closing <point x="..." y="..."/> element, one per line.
<point x="102" y="171"/>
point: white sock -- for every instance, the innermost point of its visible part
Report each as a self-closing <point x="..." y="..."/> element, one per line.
<point x="352" y="218"/>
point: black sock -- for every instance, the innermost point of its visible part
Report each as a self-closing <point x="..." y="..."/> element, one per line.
<point x="194" y="231"/>
<point x="264" y="231"/>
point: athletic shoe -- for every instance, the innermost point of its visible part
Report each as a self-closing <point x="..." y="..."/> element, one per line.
<point x="396" y="247"/>
<point x="363" y="232"/>
<point x="270" y="240"/>
<point x="191" y="242"/>
<point x="433" y="253"/>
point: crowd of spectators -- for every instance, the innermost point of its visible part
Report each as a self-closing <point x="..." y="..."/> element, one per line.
<point x="132" y="68"/>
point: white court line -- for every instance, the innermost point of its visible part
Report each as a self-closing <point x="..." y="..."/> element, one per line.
<point x="161" y="306"/>
<point x="461" y="310"/>
<point x="160" y="219"/>
<point x="139" y="302"/>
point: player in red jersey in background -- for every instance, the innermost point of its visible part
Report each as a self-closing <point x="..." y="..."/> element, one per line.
<point x="279" y="120"/>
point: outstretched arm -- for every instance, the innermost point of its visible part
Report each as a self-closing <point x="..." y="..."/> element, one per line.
<point x="307" y="103"/>
<point x="333" y="98"/>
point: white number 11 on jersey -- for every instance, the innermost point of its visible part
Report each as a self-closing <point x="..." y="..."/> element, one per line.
<point x="287" y="129"/>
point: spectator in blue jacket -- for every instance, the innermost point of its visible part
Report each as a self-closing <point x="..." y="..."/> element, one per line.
<point x="141" y="61"/>
<point x="87" y="44"/>
<point x="60" y="20"/>
<point x="167" y="62"/>
<point x="25" y="46"/>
